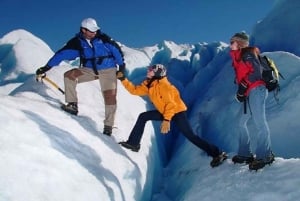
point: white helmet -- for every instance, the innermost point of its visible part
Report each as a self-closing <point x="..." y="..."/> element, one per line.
<point x="90" y="24"/>
<point x="159" y="70"/>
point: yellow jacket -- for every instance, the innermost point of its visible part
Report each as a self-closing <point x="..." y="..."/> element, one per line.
<point x="164" y="96"/>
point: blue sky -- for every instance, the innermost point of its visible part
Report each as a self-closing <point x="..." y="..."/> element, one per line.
<point x="134" y="23"/>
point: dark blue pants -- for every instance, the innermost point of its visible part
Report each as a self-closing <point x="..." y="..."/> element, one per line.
<point x="181" y="121"/>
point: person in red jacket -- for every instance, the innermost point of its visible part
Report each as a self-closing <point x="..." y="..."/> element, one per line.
<point x="169" y="107"/>
<point x="252" y="93"/>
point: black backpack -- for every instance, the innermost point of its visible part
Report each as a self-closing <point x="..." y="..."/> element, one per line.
<point x="270" y="73"/>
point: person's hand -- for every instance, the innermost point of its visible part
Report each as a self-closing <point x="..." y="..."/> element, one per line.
<point x="240" y="94"/>
<point x="240" y="98"/>
<point x="120" y="75"/>
<point x="165" y="127"/>
<point x="122" y="67"/>
<point x="41" y="72"/>
<point x="242" y="88"/>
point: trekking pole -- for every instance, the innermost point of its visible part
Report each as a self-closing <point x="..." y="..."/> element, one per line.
<point x="52" y="83"/>
<point x="245" y="106"/>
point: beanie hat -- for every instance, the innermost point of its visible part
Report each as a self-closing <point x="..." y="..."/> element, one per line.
<point x="241" y="38"/>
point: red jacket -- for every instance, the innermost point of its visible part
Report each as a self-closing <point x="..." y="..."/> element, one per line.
<point x="247" y="67"/>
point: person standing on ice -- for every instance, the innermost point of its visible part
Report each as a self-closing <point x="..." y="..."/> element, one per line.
<point x="253" y="93"/>
<point x="169" y="108"/>
<point x="99" y="57"/>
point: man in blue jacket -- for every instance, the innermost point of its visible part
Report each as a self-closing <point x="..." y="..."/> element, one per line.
<point x="99" y="58"/>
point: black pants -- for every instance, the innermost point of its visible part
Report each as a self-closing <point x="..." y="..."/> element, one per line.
<point x="181" y="121"/>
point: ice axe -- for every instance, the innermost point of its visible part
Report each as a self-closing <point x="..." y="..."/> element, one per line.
<point x="43" y="77"/>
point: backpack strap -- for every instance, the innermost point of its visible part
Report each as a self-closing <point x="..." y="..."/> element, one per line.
<point x="95" y="60"/>
<point x="281" y="75"/>
<point x="82" y="60"/>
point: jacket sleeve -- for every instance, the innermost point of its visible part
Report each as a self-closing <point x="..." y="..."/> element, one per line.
<point x="241" y="72"/>
<point x="117" y="53"/>
<point x="114" y="48"/>
<point x="69" y="52"/>
<point x="139" y="90"/>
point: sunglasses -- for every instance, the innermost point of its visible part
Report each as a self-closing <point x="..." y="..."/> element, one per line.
<point x="231" y="42"/>
<point x="150" y="69"/>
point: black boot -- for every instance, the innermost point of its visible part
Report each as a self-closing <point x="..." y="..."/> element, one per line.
<point x="71" y="108"/>
<point x="107" y="130"/>
<point x="218" y="160"/>
<point x="261" y="163"/>
<point x="134" y="148"/>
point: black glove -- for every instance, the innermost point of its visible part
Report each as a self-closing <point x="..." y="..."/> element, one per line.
<point x="122" y="68"/>
<point x="240" y="98"/>
<point x="120" y="75"/>
<point x="42" y="70"/>
<point x="240" y="95"/>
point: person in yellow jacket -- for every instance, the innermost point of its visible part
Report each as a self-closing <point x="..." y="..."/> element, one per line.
<point x="169" y="107"/>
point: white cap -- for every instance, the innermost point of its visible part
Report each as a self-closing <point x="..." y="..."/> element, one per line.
<point x="90" y="24"/>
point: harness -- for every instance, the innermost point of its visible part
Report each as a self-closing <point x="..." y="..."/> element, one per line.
<point x="95" y="60"/>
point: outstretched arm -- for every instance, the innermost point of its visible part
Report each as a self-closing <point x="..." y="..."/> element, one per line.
<point x="139" y="90"/>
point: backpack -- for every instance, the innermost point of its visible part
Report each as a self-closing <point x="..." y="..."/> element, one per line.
<point x="270" y="73"/>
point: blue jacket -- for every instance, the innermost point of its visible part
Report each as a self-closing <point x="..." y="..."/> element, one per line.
<point x="104" y="53"/>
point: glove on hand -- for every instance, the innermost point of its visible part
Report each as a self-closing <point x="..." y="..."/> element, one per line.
<point x="240" y="98"/>
<point x="165" y="127"/>
<point x="240" y="95"/>
<point x="122" y="68"/>
<point x="120" y="75"/>
<point x="42" y="70"/>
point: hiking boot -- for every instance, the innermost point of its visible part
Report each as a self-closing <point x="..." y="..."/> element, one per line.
<point x="135" y="148"/>
<point x="242" y="159"/>
<point x="218" y="160"/>
<point x="107" y="130"/>
<point x="257" y="164"/>
<point x="71" y="108"/>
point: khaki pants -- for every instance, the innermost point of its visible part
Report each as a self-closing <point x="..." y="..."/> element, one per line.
<point x="108" y="85"/>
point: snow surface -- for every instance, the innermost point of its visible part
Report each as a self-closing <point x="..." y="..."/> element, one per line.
<point x="48" y="155"/>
